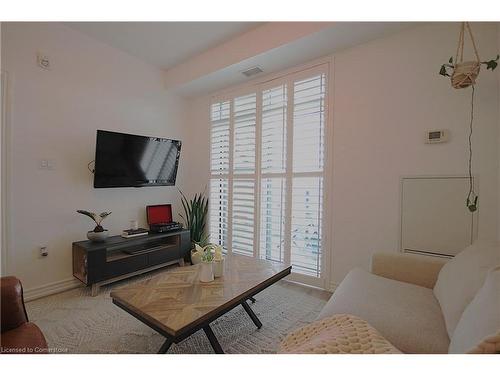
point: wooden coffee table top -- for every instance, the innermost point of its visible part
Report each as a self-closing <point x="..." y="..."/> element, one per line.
<point x="177" y="301"/>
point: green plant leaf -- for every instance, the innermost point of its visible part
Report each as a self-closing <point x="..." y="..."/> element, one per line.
<point x="443" y="71"/>
<point x="491" y="64"/>
<point x="195" y="214"/>
<point x="92" y="215"/>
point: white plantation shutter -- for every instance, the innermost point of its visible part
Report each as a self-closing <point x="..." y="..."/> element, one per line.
<point x="272" y="219"/>
<point x="267" y="172"/>
<point x="273" y="167"/>
<point x="308" y="124"/>
<point x="307" y="190"/>
<point x="245" y="108"/>
<point x="219" y="140"/>
<point x="307" y="200"/>
<point x="218" y="212"/>
<point x="219" y="167"/>
<point x="243" y="216"/>
<point x="274" y="113"/>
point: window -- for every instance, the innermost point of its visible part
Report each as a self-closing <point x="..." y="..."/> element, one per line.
<point x="267" y="171"/>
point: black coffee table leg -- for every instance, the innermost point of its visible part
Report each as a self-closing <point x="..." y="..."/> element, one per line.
<point x="213" y="340"/>
<point x="166" y="345"/>
<point x="252" y="315"/>
<point x="252" y="299"/>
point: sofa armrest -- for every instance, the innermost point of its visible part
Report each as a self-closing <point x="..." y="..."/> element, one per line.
<point x="413" y="269"/>
<point x="13" y="312"/>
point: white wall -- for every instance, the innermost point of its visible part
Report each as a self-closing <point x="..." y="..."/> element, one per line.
<point x="387" y="94"/>
<point x="2" y="255"/>
<point x="498" y="74"/>
<point x="55" y="115"/>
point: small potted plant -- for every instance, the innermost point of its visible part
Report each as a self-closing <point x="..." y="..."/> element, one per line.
<point x="206" y="266"/>
<point x="99" y="234"/>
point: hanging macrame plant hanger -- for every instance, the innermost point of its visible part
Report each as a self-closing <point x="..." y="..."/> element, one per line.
<point x="465" y="73"/>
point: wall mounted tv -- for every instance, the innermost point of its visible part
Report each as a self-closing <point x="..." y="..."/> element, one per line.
<point x="127" y="160"/>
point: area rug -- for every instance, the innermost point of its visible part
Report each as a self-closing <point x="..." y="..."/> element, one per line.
<point x="75" y="322"/>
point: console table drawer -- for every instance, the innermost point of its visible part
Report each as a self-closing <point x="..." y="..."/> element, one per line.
<point x="163" y="256"/>
<point x="126" y="265"/>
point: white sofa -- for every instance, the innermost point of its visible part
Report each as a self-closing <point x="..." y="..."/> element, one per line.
<point x="427" y="305"/>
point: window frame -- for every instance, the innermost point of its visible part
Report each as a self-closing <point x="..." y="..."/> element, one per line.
<point x="322" y="66"/>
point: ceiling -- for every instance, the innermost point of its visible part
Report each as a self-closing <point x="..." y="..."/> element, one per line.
<point x="167" y="44"/>
<point x="163" y="44"/>
<point x="339" y="36"/>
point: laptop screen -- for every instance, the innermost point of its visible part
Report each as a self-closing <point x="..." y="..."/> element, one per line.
<point x="159" y="214"/>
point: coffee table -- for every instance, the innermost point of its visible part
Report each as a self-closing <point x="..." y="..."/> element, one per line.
<point x="176" y="304"/>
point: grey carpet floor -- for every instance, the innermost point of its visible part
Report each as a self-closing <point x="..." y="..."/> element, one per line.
<point x="75" y="322"/>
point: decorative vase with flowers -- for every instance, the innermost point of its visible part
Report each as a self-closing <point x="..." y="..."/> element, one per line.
<point x="206" y="267"/>
<point x="99" y="234"/>
<point x="218" y="265"/>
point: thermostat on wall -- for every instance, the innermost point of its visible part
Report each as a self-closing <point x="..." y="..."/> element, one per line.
<point x="437" y="136"/>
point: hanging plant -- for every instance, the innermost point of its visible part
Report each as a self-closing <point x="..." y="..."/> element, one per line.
<point x="464" y="74"/>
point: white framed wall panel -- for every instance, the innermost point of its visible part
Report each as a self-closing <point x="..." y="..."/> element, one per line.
<point x="434" y="217"/>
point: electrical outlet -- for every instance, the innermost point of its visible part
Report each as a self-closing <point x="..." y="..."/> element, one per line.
<point x="44" y="251"/>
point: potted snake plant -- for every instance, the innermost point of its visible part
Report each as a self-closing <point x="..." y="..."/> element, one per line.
<point x="195" y="216"/>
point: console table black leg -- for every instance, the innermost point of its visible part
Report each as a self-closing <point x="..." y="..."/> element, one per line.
<point x="252" y="315"/>
<point x="252" y="299"/>
<point x="213" y="340"/>
<point x="166" y="345"/>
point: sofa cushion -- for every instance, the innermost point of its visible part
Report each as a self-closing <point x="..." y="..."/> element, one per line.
<point x="478" y="330"/>
<point x="461" y="278"/>
<point x="407" y="315"/>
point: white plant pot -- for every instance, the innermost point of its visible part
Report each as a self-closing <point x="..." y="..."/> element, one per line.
<point x="206" y="272"/>
<point x="97" y="236"/>
<point x="218" y="268"/>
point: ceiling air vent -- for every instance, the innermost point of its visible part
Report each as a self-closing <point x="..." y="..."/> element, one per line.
<point x="252" y="71"/>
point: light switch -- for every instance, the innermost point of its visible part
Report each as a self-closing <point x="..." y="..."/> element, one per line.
<point x="48" y="164"/>
<point x="44" y="164"/>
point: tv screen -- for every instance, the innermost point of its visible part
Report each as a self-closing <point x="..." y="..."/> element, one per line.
<point x="127" y="160"/>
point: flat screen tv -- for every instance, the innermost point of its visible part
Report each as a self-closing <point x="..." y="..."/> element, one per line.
<point x="127" y="160"/>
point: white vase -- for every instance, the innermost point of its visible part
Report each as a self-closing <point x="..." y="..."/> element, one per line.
<point x="218" y="268"/>
<point x="206" y="272"/>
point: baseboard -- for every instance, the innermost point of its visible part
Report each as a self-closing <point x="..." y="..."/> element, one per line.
<point x="333" y="286"/>
<point x="50" y="288"/>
